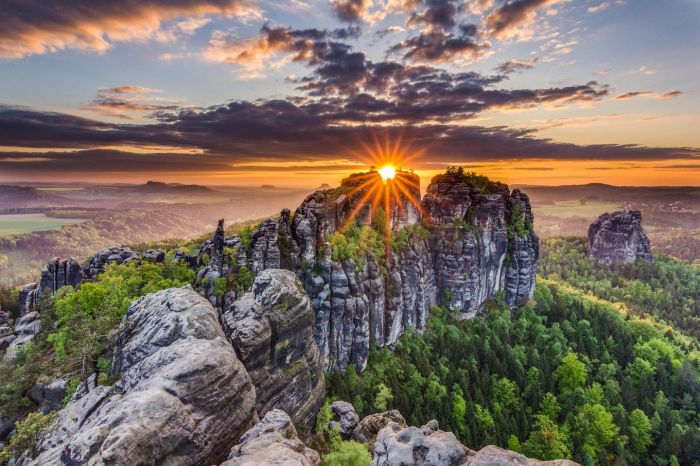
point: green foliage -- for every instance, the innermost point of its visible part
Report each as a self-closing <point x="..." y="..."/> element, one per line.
<point x="667" y="289"/>
<point x="87" y="317"/>
<point x="346" y="452"/>
<point x="244" y="279"/>
<point x="28" y="432"/>
<point x="324" y="416"/>
<point x="517" y="225"/>
<point x="481" y="183"/>
<point x="383" y="399"/>
<point x="401" y="238"/>
<point x="220" y="286"/>
<point x="246" y="235"/>
<point x="560" y="376"/>
<point x="355" y="243"/>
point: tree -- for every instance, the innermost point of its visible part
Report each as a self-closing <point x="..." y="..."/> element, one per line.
<point x="571" y="373"/>
<point x="546" y="441"/>
<point x="383" y="398"/>
<point x="640" y="431"/>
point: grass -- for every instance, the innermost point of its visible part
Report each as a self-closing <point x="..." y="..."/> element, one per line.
<point x="568" y="209"/>
<point x="14" y="224"/>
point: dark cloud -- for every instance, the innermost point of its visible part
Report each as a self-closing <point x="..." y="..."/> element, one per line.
<point x="438" y="46"/>
<point x="632" y="95"/>
<point x="350" y="10"/>
<point x="438" y="14"/>
<point x="504" y="21"/>
<point x="512" y="66"/>
<point x="41" y="26"/>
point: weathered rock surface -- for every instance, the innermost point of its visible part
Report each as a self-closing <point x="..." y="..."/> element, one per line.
<point x="618" y="238"/>
<point x="96" y="265"/>
<point x="272" y="331"/>
<point x="345" y="418"/>
<point x="273" y="441"/>
<point x="368" y="428"/>
<point x="48" y="397"/>
<point x="429" y="446"/>
<point x="26" y="329"/>
<point x="183" y="398"/>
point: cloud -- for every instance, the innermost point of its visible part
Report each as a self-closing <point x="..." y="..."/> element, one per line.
<point x="511" y="66"/>
<point x="32" y="27"/>
<point x="631" y="95"/>
<point x="350" y="10"/>
<point x="643" y="70"/>
<point x="598" y="8"/>
<point x="438" y="15"/>
<point x="438" y="46"/>
<point x="131" y="102"/>
<point x="511" y="18"/>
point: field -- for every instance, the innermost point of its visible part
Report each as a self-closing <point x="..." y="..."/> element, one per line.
<point x="26" y="223"/>
<point x="568" y="209"/>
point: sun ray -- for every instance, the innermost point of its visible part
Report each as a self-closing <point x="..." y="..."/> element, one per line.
<point x="359" y="206"/>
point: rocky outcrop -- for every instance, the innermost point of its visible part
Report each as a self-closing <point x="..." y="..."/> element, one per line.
<point x="26" y="329"/>
<point x="272" y="330"/>
<point x="368" y="428"/>
<point x="273" y="441"/>
<point x="468" y="240"/>
<point x="183" y="397"/>
<point x="618" y="238"/>
<point x="48" y="397"/>
<point x="345" y="418"/>
<point x="429" y="446"/>
<point x="114" y="255"/>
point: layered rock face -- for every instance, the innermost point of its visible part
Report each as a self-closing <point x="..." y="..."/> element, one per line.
<point x="272" y="330"/>
<point x="466" y="241"/>
<point x="618" y="238"/>
<point x="183" y="397"/>
<point x="273" y="441"/>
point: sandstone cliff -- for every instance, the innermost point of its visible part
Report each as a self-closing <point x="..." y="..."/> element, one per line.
<point x="619" y="238"/>
<point x="374" y="258"/>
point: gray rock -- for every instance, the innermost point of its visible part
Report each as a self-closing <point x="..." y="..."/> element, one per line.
<point x="271" y="329"/>
<point x="27" y="328"/>
<point x="494" y="456"/>
<point x="345" y="418"/>
<point x="96" y="265"/>
<point x="396" y="446"/>
<point x="183" y="398"/>
<point x="368" y="428"/>
<point x="48" y="397"/>
<point x="429" y="446"/>
<point x="154" y="255"/>
<point x="273" y="441"/>
<point x="618" y="238"/>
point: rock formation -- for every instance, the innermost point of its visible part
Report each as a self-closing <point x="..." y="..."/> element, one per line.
<point x="368" y="428"/>
<point x="96" y="265"/>
<point x="429" y="446"/>
<point x="272" y="330"/>
<point x="273" y="441"/>
<point x="467" y="240"/>
<point x="183" y="396"/>
<point x="346" y="419"/>
<point x="618" y="238"/>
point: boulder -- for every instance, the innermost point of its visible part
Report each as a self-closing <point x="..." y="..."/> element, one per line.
<point x="26" y="329"/>
<point x="273" y="441"/>
<point x="345" y="418"/>
<point x="96" y="265"/>
<point x="183" y="397"/>
<point x="618" y="238"/>
<point x="272" y="331"/>
<point x="48" y="397"/>
<point x="429" y="446"/>
<point x="154" y="255"/>
<point x="368" y="428"/>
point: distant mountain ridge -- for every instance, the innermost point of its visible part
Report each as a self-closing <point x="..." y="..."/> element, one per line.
<point x="16" y="197"/>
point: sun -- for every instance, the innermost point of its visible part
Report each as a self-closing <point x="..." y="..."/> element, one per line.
<point x="387" y="172"/>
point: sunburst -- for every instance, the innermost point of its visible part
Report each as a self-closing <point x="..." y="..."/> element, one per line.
<point x="388" y="186"/>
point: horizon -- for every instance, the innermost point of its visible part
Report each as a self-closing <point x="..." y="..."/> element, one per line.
<point x="239" y="92"/>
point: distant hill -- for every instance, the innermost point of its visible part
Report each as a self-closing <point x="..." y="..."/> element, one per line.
<point x="20" y="197"/>
<point x="156" y="187"/>
<point x="605" y="192"/>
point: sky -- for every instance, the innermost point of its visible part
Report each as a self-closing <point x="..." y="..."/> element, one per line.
<point x="303" y="92"/>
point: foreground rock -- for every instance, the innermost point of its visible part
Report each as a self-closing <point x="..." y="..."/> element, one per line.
<point x="368" y="428"/>
<point x="183" y="398"/>
<point x="345" y="418"/>
<point x="273" y="441"/>
<point x="429" y="446"/>
<point x="618" y="238"/>
<point x="272" y="331"/>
